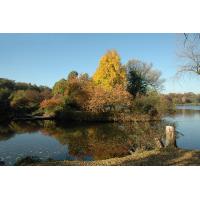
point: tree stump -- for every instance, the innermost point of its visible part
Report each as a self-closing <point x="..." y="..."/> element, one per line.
<point x="170" y="140"/>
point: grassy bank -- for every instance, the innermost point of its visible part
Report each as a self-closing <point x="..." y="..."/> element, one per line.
<point x="162" y="157"/>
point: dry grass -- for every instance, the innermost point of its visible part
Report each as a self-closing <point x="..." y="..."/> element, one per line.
<point x="163" y="157"/>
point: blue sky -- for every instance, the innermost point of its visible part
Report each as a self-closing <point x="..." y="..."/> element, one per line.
<point x="43" y="59"/>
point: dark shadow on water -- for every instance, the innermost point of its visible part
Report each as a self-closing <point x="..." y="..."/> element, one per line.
<point x="2" y="163"/>
<point x="27" y="161"/>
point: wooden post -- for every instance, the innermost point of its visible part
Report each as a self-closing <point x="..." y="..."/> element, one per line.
<point x="170" y="137"/>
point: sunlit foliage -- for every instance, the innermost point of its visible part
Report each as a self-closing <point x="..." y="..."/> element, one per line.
<point x="59" y="87"/>
<point x="50" y="106"/>
<point x="70" y="94"/>
<point x="110" y="71"/>
<point x="102" y="100"/>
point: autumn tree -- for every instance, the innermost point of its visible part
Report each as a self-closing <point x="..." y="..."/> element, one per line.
<point x="102" y="100"/>
<point x="110" y="71"/>
<point x="72" y="94"/>
<point x="76" y="94"/>
<point x="72" y="74"/>
<point x="45" y="93"/>
<point x="59" y="87"/>
<point x="50" y="106"/>
<point x="98" y="99"/>
<point x="85" y="76"/>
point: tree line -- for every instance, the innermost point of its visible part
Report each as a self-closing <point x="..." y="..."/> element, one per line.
<point x="183" y="98"/>
<point x="132" y="88"/>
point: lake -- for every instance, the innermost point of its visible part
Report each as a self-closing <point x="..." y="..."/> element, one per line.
<point x="47" y="140"/>
<point x="187" y="119"/>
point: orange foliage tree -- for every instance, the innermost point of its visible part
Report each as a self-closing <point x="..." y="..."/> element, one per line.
<point x="52" y="105"/>
<point x="102" y="100"/>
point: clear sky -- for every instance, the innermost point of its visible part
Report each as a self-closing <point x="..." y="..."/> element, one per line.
<point x="43" y="59"/>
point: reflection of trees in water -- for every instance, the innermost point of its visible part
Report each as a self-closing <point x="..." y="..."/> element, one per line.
<point x="142" y="134"/>
<point x="27" y="160"/>
<point x="99" y="141"/>
<point x="2" y="163"/>
<point x="185" y="112"/>
<point x="106" y="140"/>
<point x="8" y="131"/>
<point x="96" y="140"/>
<point x="25" y="126"/>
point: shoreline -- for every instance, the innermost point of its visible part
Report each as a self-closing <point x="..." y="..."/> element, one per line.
<point x="93" y="117"/>
<point x="157" y="157"/>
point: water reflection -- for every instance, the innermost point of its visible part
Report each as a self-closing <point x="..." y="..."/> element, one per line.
<point x="48" y="140"/>
<point x="187" y="107"/>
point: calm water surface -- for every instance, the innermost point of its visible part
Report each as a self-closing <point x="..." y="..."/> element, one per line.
<point x="47" y="140"/>
<point x="187" y="120"/>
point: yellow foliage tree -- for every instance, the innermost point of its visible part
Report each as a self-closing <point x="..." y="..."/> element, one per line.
<point x="110" y="71"/>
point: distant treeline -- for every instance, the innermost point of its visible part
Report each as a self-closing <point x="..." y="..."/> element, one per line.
<point x="17" y="98"/>
<point x="183" y="98"/>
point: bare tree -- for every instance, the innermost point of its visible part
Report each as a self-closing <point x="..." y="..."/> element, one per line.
<point x="190" y="53"/>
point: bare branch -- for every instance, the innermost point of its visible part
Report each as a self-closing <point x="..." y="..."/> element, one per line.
<point x="190" y="54"/>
